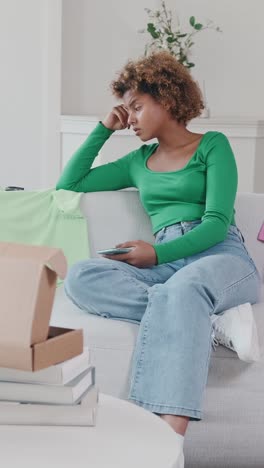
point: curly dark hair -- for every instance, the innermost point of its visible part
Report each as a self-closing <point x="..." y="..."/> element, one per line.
<point x="166" y="80"/>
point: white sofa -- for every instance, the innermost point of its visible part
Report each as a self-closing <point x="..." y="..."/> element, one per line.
<point x="231" y="433"/>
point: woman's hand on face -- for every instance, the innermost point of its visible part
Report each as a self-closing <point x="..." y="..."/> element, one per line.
<point x="116" y="119"/>
<point x="143" y="254"/>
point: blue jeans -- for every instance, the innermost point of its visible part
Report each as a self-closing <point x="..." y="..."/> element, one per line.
<point x="172" y="303"/>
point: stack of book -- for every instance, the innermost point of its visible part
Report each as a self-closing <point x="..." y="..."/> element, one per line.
<point x="62" y="394"/>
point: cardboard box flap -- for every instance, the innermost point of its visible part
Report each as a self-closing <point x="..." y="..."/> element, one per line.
<point x="58" y="263"/>
<point x="52" y="257"/>
<point x="28" y="278"/>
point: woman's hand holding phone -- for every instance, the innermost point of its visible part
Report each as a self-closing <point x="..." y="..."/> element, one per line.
<point x="142" y="255"/>
<point x="116" y="119"/>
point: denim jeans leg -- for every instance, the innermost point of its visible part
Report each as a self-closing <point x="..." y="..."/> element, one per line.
<point x="170" y="363"/>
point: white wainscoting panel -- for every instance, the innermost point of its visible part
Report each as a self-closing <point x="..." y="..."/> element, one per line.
<point x="246" y="137"/>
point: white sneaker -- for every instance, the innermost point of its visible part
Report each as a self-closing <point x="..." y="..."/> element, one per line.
<point x="236" y="329"/>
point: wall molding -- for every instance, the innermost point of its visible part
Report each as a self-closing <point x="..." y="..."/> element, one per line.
<point x="78" y="124"/>
<point x="232" y="127"/>
<point x="235" y="127"/>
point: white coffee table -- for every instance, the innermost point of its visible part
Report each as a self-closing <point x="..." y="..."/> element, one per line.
<point x="125" y="436"/>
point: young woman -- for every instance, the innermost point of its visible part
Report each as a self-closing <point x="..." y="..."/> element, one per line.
<point x="198" y="264"/>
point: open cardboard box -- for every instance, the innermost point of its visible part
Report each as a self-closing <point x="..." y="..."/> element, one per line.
<point x="28" y="278"/>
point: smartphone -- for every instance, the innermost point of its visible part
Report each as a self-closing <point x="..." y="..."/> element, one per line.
<point x="115" y="251"/>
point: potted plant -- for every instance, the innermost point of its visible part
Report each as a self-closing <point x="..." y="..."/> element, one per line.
<point x="176" y="40"/>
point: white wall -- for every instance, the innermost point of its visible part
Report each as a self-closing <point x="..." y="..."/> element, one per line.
<point x="30" y="58"/>
<point x="98" y="38"/>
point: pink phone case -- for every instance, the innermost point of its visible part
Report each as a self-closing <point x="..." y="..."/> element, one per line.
<point x="261" y="233"/>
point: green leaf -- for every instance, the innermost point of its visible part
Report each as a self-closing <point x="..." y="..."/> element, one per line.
<point x="198" y="26"/>
<point x="190" y="65"/>
<point x="192" y="20"/>
<point x="183" y="58"/>
<point x="181" y="35"/>
<point x="152" y="30"/>
<point x="171" y="39"/>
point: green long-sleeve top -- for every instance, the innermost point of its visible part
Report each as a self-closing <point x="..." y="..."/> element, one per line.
<point x="205" y="188"/>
